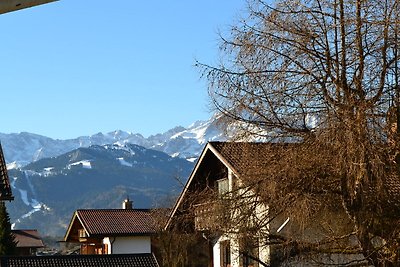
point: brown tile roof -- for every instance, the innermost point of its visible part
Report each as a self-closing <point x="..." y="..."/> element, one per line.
<point x="252" y="158"/>
<point x="117" y="221"/>
<point x="121" y="260"/>
<point x="392" y="183"/>
<point x="245" y="157"/>
<point x="248" y="158"/>
<point x="5" y="188"/>
<point x="28" y="239"/>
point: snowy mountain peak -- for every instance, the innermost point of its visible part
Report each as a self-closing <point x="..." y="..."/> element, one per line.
<point x="179" y="141"/>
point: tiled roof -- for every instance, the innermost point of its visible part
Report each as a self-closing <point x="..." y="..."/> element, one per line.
<point x="251" y="158"/>
<point x="5" y="188"/>
<point x="244" y="158"/>
<point x="117" y="221"/>
<point x="392" y="183"/>
<point x="120" y="260"/>
<point x="247" y="157"/>
<point x="28" y="238"/>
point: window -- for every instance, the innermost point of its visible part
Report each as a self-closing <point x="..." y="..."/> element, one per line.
<point x="248" y="252"/>
<point x="225" y="253"/>
<point x="223" y="186"/>
<point x="98" y="250"/>
<point x="82" y="233"/>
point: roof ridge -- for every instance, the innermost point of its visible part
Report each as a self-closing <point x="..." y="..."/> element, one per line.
<point x="82" y="256"/>
<point x="24" y="230"/>
<point x="114" y="209"/>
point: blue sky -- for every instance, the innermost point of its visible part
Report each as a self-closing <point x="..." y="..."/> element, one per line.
<point x="78" y="67"/>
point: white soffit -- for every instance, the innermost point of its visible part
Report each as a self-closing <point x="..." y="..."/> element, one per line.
<point x="13" y="5"/>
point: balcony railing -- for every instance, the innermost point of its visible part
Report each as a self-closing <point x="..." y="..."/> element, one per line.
<point x="211" y="215"/>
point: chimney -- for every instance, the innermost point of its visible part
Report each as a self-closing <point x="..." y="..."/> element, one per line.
<point x="127" y="204"/>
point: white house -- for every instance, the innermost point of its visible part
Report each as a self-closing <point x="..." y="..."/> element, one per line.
<point x="219" y="167"/>
<point x="217" y="196"/>
<point x="112" y="231"/>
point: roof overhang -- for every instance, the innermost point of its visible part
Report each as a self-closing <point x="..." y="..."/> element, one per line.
<point x="13" y="5"/>
<point x="207" y="148"/>
<point x="76" y="218"/>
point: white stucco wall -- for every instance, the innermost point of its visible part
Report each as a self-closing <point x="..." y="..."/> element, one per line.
<point x="216" y="254"/>
<point x="235" y="258"/>
<point x="234" y="248"/>
<point x="261" y="213"/>
<point x="127" y="245"/>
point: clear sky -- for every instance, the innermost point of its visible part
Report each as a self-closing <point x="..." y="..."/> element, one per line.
<point x="78" y="67"/>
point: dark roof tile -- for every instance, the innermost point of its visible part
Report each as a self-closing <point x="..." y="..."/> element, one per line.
<point x="28" y="238"/>
<point x="249" y="158"/>
<point x="246" y="157"/>
<point x="120" y="260"/>
<point x="117" y="221"/>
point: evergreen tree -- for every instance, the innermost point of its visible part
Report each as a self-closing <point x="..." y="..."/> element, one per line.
<point x="7" y="239"/>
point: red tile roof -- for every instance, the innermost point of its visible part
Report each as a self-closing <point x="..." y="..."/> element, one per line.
<point x="117" y="221"/>
<point x="27" y="239"/>
<point x="120" y="260"/>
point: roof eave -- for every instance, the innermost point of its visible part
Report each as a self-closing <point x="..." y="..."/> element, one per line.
<point x="74" y="217"/>
<point x="208" y="147"/>
<point x="15" y="5"/>
<point x="6" y="198"/>
<point x="104" y="235"/>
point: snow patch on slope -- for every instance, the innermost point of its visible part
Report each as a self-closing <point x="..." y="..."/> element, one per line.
<point x="86" y="164"/>
<point x="13" y="165"/>
<point x="124" y="163"/>
<point x="31" y="202"/>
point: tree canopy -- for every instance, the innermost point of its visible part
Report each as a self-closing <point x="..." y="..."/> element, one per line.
<point x="323" y="73"/>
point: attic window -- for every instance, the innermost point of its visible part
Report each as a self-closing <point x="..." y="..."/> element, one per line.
<point x="223" y="186"/>
<point x="82" y="233"/>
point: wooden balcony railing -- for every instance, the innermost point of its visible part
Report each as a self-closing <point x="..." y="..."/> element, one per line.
<point x="209" y="216"/>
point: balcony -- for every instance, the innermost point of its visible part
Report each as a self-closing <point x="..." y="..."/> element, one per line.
<point x="211" y="215"/>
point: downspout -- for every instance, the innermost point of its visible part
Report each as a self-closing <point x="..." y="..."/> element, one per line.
<point x="210" y="250"/>
<point x="112" y="243"/>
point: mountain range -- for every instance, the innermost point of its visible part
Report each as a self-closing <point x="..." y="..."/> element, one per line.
<point x="52" y="178"/>
<point x="22" y="148"/>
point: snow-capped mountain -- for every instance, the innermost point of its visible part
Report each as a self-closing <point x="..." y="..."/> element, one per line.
<point x="23" y="148"/>
<point x="49" y="190"/>
<point x="51" y="178"/>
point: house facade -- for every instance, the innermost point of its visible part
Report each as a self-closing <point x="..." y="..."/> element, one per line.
<point x="222" y="202"/>
<point x="112" y="231"/>
<point x="219" y="169"/>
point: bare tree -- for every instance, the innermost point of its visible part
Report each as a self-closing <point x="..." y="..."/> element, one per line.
<point x="178" y="246"/>
<point x="323" y="73"/>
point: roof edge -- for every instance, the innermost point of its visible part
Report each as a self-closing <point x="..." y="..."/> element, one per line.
<point x="208" y="147"/>
<point x="70" y="226"/>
